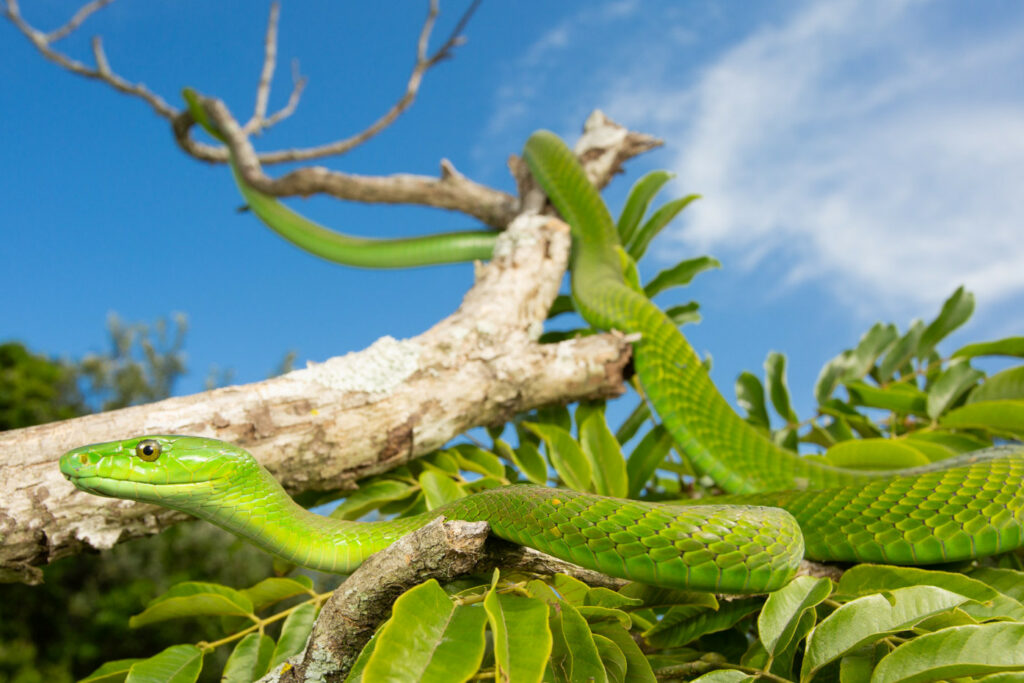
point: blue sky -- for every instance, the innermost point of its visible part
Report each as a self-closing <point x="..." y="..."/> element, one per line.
<point x="858" y="161"/>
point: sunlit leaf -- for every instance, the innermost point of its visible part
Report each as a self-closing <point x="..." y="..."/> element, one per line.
<point x="775" y="376"/>
<point x="641" y="239"/>
<point x="1011" y="346"/>
<point x="1005" y="385"/>
<point x="682" y="625"/>
<point x="439" y="489"/>
<point x="194" y="598"/>
<point x="1004" y="417"/>
<point x="871" y="617"/>
<point x="565" y="455"/>
<point x="574" y="655"/>
<point x="901" y="398"/>
<point x="680" y="274"/>
<point x="873" y="344"/>
<point x="249" y="660"/>
<point x="522" y="637"/>
<point x="176" y="664"/>
<point x="294" y="633"/>
<point x="783" y="609"/>
<point x="277" y="588"/>
<point x="475" y="459"/>
<point x="954" y="653"/>
<point x="605" y="455"/>
<point x="110" y="672"/>
<point x="684" y="313"/>
<point x="638" y="670"/>
<point x="750" y="396"/>
<point x="901" y="352"/>
<point x="639" y="198"/>
<point x="874" y="454"/>
<point x="951" y="385"/>
<point x="428" y="638"/>
<point x="956" y="310"/>
<point x="370" y="497"/>
<point x="646" y="457"/>
<point x="527" y="459"/>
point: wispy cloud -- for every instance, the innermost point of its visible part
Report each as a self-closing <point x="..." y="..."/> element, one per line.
<point x="874" y="147"/>
<point x="862" y="146"/>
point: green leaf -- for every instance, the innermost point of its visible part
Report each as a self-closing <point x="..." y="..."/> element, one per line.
<point x="294" y="633"/>
<point x="1001" y="417"/>
<point x="605" y="455"/>
<point x="680" y="274"/>
<point x="1011" y="346"/>
<point x="640" y="196"/>
<point x="684" y="624"/>
<point x="630" y="273"/>
<point x="830" y="375"/>
<point x="775" y="376"/>
<point x="874" y="454"/>
<point x="665" y="214"/>
<point x="277" y="588"/>
<point x="750" y="396"/>
<point x="371" y="496"/>
<point x="872" y="578"/>
<point x="176" y="664"/>
<point x="1005" y="385"/>
<point x="571" y="590"/>
<point x="1009" y="582"/>
<point x="561" y="304"/>
<point x="638" y="670"/>
<point x="956" y="310"/>
<point x="475" y="459"/>
<point x="574" y="655"/>
<point x="900" y="398"/>
<point x="646" y="457"/>
<point x="955" y="652"/>
<point x="191" y="599"/>
<point x="110" y="672"/>
<point x="684" y="313"/>
<point x="951" y="385"/>
<point x="958" y="443"/>
<point x="873" y="344"/>
<point x="612" y="659"/>
<point x="603" y="597"/>
<point x="901" y="352"/>
<point x="439" y="489"/>
<point x="784" y="608"/>
<point x="428" y="638"/>
<point x="724" y="676"/>
<point x="565" y="455"/>
<point x="522" y="637"/>
<point x="249" y="660"/>
<point x="629" y="427"/>
<point x="527" y="459"/>
<point x="871" y="617"/>
<point x="555" y="414"/>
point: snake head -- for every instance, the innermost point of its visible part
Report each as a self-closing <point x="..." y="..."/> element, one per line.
<point x="166" y="470"/>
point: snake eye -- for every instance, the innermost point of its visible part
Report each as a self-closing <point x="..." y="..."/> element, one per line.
<point x="148" y="449"/>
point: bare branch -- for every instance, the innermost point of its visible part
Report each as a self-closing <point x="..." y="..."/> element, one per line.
<point x="80" y="16"/>
<point x="255" y="124"/>
<point x="423" y="63"/>
<point x="298" y="85"/>
<point x="102" y="71"/>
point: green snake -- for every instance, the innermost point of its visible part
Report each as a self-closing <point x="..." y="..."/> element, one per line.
<point x="783" y="507"/>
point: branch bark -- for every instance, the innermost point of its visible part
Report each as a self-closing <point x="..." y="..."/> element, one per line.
<point x="330" y="424"/>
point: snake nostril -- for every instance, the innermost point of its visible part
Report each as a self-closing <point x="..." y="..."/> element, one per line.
<point x="83" y="458"/>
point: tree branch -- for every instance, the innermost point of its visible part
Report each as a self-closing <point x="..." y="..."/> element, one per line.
<point x="328" y="425"/>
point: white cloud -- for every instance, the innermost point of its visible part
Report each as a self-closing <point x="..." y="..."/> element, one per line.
<point x="859" y="143"/>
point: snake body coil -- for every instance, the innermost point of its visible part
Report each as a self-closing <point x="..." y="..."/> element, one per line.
<point x="956" y="509"/>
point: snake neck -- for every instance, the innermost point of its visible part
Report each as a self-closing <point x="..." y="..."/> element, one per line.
<point x="253" y="505"/>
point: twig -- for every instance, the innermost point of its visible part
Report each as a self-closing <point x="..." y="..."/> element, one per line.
<point x="80" y="16"/>
<point x="423" y="63"/>
<point x="267" y="74"/>
<point x="102" y="72"/>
